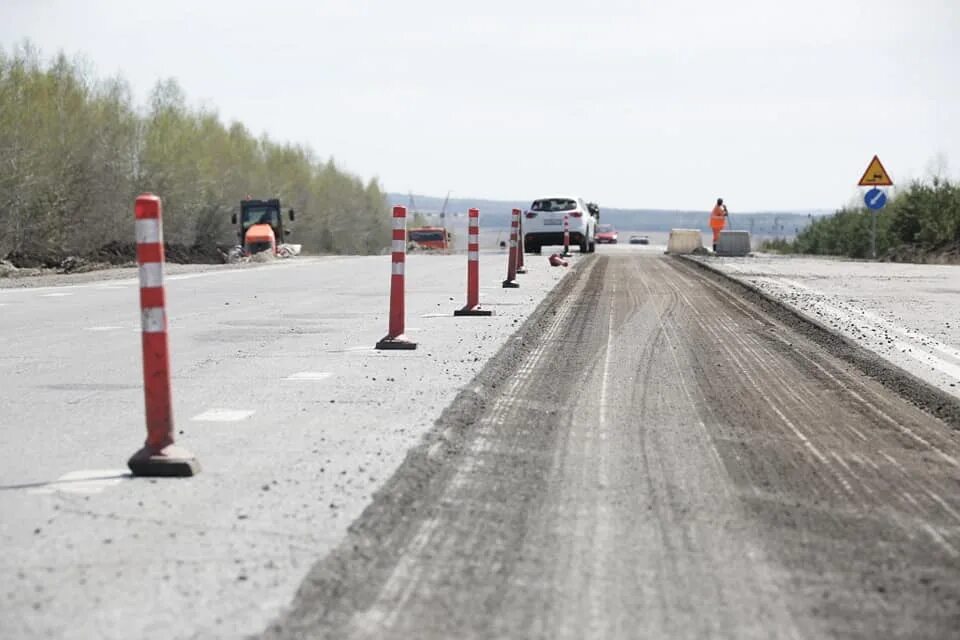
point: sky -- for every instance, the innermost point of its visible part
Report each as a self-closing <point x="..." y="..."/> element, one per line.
<point x="630" y="103"/>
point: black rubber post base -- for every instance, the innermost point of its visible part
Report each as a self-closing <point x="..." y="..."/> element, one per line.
<point x="169" y="462"/>
<point x="473" y="312"/>
<point x="510" y="284"/>
<point x="521" y="270"/>
<point x="398" y="343"/>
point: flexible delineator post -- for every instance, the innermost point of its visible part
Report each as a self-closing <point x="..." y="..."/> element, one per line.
<point x="566" y="235"/>
<point x="473" y="269"/>
<point x="512" y="260"/>
<point x="395" y="338"/>
<point x="159" y="456"/>
<point x="520" y="268"/>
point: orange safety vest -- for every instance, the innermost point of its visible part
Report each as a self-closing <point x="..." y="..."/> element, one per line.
<point x="718" y="218"/>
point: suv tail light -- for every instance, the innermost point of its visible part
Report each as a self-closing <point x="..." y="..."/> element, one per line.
<point x="576" y="214"/>
<point x="531" y="214"/>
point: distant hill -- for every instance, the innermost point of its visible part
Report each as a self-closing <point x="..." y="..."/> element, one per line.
<point x="495" y="214"/>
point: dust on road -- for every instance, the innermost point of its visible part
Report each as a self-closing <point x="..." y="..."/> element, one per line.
<point x="655" y="456"/>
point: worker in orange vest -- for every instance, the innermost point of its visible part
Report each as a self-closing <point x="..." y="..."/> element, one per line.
<point x="718" y="220"/>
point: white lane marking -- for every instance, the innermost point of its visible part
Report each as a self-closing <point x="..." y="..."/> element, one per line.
<point x="105" y="328"/>
<point x="435" y="315"/>
<point x="56" y="295"/>
<point x="309" y="375"/>
<point x="357" y="349"/>
<point x="83" y="482"/>
<point x="223" y="415"/>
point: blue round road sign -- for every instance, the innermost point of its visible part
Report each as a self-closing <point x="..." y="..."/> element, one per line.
<point x="875" y="199"/>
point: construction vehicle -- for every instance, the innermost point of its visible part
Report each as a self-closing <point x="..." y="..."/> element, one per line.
<point x="261" y="228"/>
<point x="436" y="238"/>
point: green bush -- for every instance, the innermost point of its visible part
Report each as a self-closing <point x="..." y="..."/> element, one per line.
<point x="924" y="216"/>
<point x="76" y="151"/>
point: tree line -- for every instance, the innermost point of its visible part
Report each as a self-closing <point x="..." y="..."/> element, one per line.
<point x="921" y="220"/>
<point x="76" y="150"/>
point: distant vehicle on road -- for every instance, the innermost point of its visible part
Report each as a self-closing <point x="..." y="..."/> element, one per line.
<point x="543" y="223"/>
<point x="435" y="238"/>
<point x="606" y="234"/>
<point x="638" y="239"/>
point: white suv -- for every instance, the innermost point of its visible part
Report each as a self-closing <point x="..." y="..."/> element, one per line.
<point x="543" y="224"/>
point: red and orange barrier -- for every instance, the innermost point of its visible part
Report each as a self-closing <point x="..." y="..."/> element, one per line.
<point x="473" y="269"/>
<point x="159" y="456"/>
<point x="510" y="283"/>
<point x="395" y="339"/>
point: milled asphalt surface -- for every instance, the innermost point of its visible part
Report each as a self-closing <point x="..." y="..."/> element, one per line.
<point x="100" y="555"/>
<point x="906" y="313"/>
<point x="656" y="457"/>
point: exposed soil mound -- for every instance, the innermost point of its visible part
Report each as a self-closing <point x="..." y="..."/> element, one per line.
<point x="33" y="259"/>
<point x="115" y="254"/>
<point x="946" y="254"/>
<point x="196" y="254"/>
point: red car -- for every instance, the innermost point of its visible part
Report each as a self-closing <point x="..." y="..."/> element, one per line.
<point x="606" y="234"/>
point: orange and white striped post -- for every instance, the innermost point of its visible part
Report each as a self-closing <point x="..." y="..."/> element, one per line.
<point x="395" y="338"/>
<point x="159" y="456"/>
<point x="510" y="283"/>
<point x="566" y="235"/>
<point x="520" y="268"/>
<point x="473" y="269"/>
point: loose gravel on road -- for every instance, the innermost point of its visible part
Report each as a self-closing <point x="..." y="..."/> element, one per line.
<point x="655" y="456"/>
<point x="906" y="313"/>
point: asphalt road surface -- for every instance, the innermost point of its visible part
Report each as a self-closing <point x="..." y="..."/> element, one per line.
<point x="277" y="389"/>
<point x="653" y="456"/>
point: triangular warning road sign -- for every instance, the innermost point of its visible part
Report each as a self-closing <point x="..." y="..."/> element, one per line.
<point x="875" y="175"/>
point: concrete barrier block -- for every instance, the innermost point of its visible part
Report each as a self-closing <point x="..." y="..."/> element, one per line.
<point x="733" y="243"/>
<point x="683" y="241"/>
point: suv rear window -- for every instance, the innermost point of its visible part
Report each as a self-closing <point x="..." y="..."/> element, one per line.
<point x="554" y="204"/>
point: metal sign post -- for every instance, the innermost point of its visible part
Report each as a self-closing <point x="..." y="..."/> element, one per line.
<point x="875" y="199"/>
